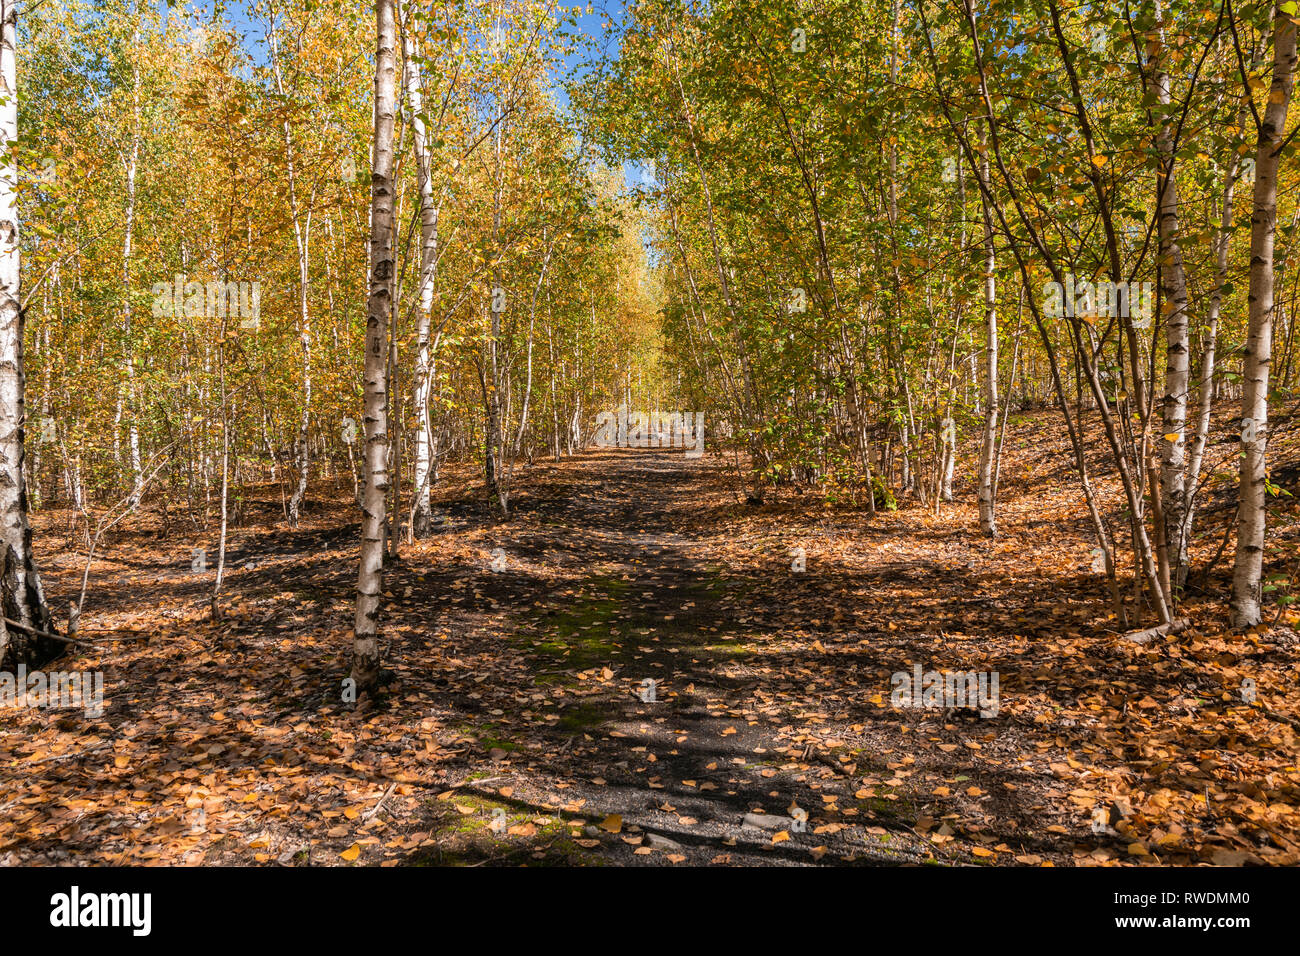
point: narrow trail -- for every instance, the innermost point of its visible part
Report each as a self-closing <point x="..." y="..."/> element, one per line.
<point x="628" y="670"/>
<point x="722" y="711"/>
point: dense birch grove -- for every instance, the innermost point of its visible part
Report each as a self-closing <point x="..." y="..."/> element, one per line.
<point x="647" y="433"/>
<point x="215" y="301"/>
<point x="855" y="236"/>
<point x="884" y="227"/>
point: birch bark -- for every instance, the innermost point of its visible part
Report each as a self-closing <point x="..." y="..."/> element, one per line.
<point x="1246" y="585"/>
<point x="370" y="576"/>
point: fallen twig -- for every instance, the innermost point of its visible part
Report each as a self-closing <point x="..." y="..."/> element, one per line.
<point x="1280" y="718"/>
<point x="39" y="633"/>
<point x="1146" y="635"/>
<point x="104" y="635"/>
<point x="374" y="812"/>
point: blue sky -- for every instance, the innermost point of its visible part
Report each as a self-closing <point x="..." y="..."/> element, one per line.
<point x="589" y="24"/>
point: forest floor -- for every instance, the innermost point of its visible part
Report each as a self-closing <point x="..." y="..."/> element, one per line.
<point x="521" y="725"/>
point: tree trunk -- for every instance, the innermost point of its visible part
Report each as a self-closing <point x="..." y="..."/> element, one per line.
<point x="220" y="577"/>
<point x="421" y="515"/>
<point x="1246" y="585"/>
<point x="23" y="597"/>
<point x="1174" y="404"/>
<point x="493" y="447"/>
<point x="133" y="426"/>
<point x="370" y="576"/>
<point x="989" y="448"/>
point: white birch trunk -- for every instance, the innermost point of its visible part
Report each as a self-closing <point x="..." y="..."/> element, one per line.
<point x="1172" y="442"/>
<point x="421" y="514"/>
<point x="132" y="425"/>
<point x="370" y="576"/>
<point x="1246" y="585"/>
<point x="989" y="447"/>
<point x="20" y="582"/>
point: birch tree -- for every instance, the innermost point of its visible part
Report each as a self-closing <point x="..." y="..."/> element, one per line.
<point x="130" y="163"/>
<point x="370" y="578"/>
<point x="988" y="449"/>
<point x="1252" y="478"/>
<point x="421" y="386"/>
<point x="1174" y="279"/>
<point x="20" y="581"/>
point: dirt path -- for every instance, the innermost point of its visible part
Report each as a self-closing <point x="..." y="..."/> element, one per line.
<point x="720" y="708"/>
<point x="631" y="671"/>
